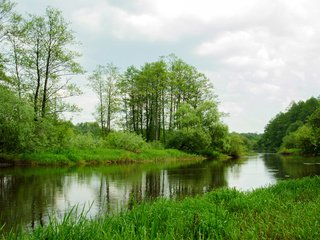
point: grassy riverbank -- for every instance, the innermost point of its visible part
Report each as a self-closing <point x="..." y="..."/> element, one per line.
<point x="96" y="156"/>
<point x="288" y="210"/>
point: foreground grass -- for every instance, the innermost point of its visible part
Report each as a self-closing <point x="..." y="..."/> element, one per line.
<point x="98" y="156"/>
<point x="288" y="210"/>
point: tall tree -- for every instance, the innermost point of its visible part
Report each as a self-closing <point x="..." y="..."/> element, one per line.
<point x="104" y="82"/>
<point x="47" y="64"/>
<point x="154" y="94"/>
<point x="15" y="38"/>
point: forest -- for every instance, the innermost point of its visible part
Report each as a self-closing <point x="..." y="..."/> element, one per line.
<point x="163" y="104"/>
<point x="296" y="130"/>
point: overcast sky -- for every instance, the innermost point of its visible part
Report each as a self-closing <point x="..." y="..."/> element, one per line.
<point x="260" y="55"/>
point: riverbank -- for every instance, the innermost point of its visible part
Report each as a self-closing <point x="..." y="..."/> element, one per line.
<point x="95" y="156"/>
<point x="287" y="210"/>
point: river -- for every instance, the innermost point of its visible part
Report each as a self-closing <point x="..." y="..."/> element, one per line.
<point x="29" y="194"/>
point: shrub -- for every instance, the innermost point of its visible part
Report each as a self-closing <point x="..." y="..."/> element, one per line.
<point x="125" y="140"/>
<point x="155" y="145"/>
<point x="193" y="140"/>
<point x="86" y="141"/>
<point x="237" y="146"/>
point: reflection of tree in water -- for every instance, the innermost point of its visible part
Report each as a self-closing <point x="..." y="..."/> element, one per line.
<point x="25" y="196"/>
<point x="153" y="185"/>
<point x="196" y="179"/>
<point x="292" y="166"/>
<point x="145" y="185"/>
<point x="274" y="164"/>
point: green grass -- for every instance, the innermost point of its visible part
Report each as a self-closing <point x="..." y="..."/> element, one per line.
<point x="287" y="210"/>
<point x="98" y="156"/>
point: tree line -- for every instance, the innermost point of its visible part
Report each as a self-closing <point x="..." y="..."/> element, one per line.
<point x="167" y="101"/>
<point x="296" y="130"/>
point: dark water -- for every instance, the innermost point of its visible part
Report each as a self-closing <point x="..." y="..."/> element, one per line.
<point x="28" y="195"/>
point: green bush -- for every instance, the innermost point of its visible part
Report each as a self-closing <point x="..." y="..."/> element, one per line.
<point x="237" y="145"/>
<point x="125" y="140"/>
<point x="86" y="141"/>
<point x="16" y="122"/>
<point x="155" y="145"/>
<point x="192" y="140"/>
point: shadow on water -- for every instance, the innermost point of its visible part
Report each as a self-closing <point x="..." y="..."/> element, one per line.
<point x="28" y="195"/>
<point x="292" y="166"/>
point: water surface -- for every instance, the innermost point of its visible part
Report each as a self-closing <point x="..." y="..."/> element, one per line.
<point x="28" y="195"/>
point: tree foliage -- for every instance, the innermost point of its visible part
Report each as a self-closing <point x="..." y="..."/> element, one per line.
<point x="16" y="122"/>
<point x="285" y="123"/>
<point x="104" y="82"/>
<point x="164" y="96"/>
<point x="40" y="62"/>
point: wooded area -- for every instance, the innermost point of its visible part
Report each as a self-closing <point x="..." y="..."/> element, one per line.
<point x="296" y="130"/>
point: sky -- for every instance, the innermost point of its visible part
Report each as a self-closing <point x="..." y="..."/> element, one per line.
<point x="259" y="55"/>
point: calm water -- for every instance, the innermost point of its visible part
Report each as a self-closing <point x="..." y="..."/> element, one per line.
<point x="28" y="195"/>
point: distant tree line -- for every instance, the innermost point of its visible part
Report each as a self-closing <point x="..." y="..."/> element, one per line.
<point x="297" y="129"/>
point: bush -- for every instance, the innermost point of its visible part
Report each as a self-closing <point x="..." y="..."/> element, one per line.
<point x="16" y="122"/>
<point x="155" y="145"/>
<point x="125" y="140"/>
<point x="86" y="141"/>
<point x="193" y="140"/>
<point x="237" y="146"/>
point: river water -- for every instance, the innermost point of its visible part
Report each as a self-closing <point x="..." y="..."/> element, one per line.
<point x="28" y="195"/>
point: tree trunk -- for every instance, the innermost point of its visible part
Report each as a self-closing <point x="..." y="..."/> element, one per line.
<point x="36" y="94"/>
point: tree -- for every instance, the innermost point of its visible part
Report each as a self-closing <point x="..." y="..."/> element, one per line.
<point x="15" y="37"/>
<point x="45" y="61"/>
<point x="16" y="122"/>
<point x="237" y="145"/>
<point x="161" y="96"/>
<point x="104" y="82"/>
<point x="283" y="124"/>
<point x="144" y="91"/>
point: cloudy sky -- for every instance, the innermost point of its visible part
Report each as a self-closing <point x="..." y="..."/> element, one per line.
<point x="260" y="55"/>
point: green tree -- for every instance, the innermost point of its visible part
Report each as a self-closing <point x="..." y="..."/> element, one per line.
<point x="46" y="61"/>
<point x="16" y="122"/>
<point x="15" y="38"/>
<point x="237" y="145"/>
<point x="284" y="123"/>
<point x="186" y="117"/>
<point x="104" y="82"/>
<point x="161" y="96"/>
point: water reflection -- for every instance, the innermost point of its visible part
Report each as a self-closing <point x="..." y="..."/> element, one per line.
<point x="28" y="195"/>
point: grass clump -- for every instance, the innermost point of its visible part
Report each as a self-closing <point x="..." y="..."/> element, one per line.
<point x="287" y="210"/>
